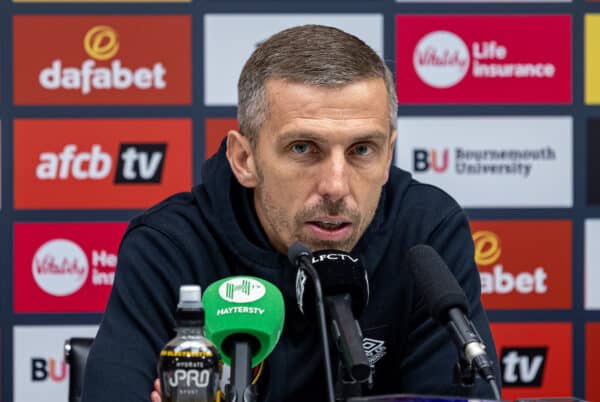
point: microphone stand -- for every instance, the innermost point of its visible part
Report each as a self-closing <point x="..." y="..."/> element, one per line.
<point x="240" y="387"/>
<point x="312" y="272"/>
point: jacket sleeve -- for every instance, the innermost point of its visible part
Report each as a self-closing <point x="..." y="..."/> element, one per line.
<point x="431" y="355"/>
<point x="138" y="320"/>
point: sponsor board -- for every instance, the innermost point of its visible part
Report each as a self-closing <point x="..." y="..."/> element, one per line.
<point x="64" y="267"/>
<point x="100" y="163"/>
<point x="491" y="161"/>
<point x="475" y="59"/>
<point x="39" y="367"/>
<point x="524" y="264"/>
<point x="592" y="264"/>
<point x="592" y="59"/>
<point x="535" y="359"/>
<point x="102" y="60"/>
<point x="592" y="361"/>
<point x="215" y="129"/>
<point x="243" y="32"/>
<point x="593" y="162"/>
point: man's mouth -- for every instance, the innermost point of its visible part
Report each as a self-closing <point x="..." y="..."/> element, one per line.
<point x="330" y="225"/>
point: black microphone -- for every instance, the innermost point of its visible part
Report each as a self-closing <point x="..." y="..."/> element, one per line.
<point x="346" y="291"/>
<point x="448" y="305"/>
<point x="300" y="256"/>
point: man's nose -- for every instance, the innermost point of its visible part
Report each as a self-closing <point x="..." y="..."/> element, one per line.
<point x="334" y="176"/>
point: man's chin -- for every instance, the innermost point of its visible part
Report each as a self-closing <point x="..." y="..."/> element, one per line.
<point x="321" y="244"/>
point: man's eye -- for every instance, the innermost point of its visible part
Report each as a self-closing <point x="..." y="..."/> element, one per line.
<point x="300" y="148"/>
<point x="362" y="150"/>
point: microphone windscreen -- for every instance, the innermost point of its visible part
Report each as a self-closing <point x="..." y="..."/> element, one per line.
<point x="435" y="283"/>
<point x="340" y="273"/>
<point x="296" y="250"/>
<point x="244" y="307"/>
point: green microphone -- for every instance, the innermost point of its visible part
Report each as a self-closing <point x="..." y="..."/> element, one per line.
<point x="244" y="319"/>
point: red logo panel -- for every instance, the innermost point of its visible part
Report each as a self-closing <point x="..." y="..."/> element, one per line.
<point x="483" y="59"/>
<point x="592" y="361"/>
<point x="102" y="60"/>
<point x="524" y="264"/>
<point x="100" y="163"/>
<point x="215" y="129"/>
<point x="535" y="359"/>
<point x="64" y="267"/>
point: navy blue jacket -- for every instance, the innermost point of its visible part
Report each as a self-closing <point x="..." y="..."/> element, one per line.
<point x="213" y="232"/>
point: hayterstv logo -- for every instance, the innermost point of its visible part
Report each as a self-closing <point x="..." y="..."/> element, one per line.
<point x="137" y="163"/>
<point x="523" y="366"/>
<point x="333" y="257"/>
<point x="60" y="267"/>
<point x="242" y="290"/>
<point x="441" y="60"/>
<point x="514" y="162"/>
<point x="487" y="252"/>
<point x="101" y="43"/>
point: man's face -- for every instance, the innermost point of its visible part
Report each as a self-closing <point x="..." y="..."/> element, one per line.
<point x="320" y="160"/>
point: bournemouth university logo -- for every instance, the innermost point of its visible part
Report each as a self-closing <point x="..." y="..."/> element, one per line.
<point x="524" y="264"/>
<point x="483" y="59"/>
<point x="102" y="59"/>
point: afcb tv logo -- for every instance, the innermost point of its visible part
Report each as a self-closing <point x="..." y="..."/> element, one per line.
<point x="137" y="163"/>
<point x="523" y="366"/>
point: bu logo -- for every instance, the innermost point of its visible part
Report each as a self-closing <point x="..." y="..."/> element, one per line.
<point x="523" y="366"/>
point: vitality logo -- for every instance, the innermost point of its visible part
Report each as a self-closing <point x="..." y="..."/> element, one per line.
<point x="523" y="366"/>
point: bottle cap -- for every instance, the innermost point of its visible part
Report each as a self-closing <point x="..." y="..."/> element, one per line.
<point x="190" y="297"/>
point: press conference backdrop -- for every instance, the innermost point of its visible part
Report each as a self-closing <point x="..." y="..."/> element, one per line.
<point x="107" y="107"/>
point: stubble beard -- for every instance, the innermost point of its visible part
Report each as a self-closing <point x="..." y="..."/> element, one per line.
<point x="276" y="219"/>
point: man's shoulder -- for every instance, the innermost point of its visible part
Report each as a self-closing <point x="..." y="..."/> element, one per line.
<point x="410" y="196"/>
<point x="176" y="214"/>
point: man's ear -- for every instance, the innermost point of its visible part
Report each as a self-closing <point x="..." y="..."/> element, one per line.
<point x="241" y="159"/>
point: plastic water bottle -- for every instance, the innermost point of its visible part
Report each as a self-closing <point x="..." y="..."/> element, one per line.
<point x="189" y="366"/>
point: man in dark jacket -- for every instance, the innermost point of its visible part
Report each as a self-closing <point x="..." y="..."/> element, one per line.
<point x="317" y="113"/>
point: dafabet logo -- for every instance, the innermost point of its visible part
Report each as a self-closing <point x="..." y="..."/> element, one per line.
<point x="102" y="60"/>
<point x="483" y="59"/>
<point x="100" y="163"/>
<point x="524" y="264"/>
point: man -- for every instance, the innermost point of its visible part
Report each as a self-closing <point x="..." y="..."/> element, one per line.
<point x="317" y="113"/>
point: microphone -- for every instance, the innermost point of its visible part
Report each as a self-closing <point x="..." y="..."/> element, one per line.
<point x="300" y="256"/>
<point x="448" y="305"/>
<point x="346" y="290"/>
<point x="244" y="319"/>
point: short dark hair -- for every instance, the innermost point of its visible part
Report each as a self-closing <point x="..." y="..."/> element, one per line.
<point x="308" y="54"/>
